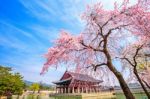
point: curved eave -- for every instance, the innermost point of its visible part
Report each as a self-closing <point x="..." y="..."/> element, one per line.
<point x="62" y="81"/>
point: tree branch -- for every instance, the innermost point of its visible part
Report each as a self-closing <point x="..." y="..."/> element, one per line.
<point x="127" y="61"/>
<point x="95" y="66"/>
<point x="146" y="84"/>
<point x="136" y="53"/>
<point x="120" y="26"/>
<point x="88" y="46"/>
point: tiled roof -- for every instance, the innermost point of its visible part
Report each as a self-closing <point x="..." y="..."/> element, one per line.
<point x="83" y="77"/>
<point x="77" y="76"/>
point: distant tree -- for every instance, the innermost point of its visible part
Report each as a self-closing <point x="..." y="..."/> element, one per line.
<point x="42" y="86"/>
<point x="35" y="87"/>
<point x="45" y="87"/>
<point x="26" y="87"/>
<point x="10" y="83"/>
<point x="50" y="88"/>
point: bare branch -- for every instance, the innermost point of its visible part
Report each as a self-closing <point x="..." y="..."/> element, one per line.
<point x="124" y="58"/>
<point x="120" y="26"/>
<point x="88" y="46"/>
<point x="136" y="53"/>
<point x="146" y="84"/>
<point x="100" y="43"/>
<point x="98" y="65"/>
<point x="95" y="66"/>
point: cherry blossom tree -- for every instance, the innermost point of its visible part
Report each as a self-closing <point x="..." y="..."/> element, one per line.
<point x="132" y="55"/>
<point x="101" y="41"/>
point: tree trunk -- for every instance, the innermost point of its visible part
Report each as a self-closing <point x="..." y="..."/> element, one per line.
<point x="146" y="84"/>
<point x="118" y="75"/>
<point x="140" y="81"/>
<point x="122" y="83"/>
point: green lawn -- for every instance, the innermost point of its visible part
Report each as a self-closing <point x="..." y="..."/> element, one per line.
<point x="137" y="96"/>
<point x="68" y="97"/>
<point x="118" y="96"/>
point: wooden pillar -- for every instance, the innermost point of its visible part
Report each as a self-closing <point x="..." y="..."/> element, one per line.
<point x="90" y="89"/>
<point x="95" y="89"/>
<point x="59" y="90"/>
<point x="68" y="90"/>
<point x="82" y="90"/>
<point x="98" y="89"/>
<point x="72" y="89"/>
<point x="78" y="89"/>
<point x="64" y="89"/>
<point x="55" y="89"/>
<point x="86" y="89"/>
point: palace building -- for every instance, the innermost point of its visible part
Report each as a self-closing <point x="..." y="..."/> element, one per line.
<point x="77" y="83"/>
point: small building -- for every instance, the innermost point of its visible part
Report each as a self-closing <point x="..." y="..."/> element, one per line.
<point x="77" y="83"/>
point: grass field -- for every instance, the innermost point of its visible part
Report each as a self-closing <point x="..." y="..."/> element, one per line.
<point x="138" y="95"/>
<point x="118" y="96"/>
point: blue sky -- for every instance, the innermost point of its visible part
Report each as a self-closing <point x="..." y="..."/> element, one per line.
<point x="27" y="28"/>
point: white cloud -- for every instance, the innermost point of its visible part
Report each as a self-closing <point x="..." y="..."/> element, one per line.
<point x="12" y="36"/>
